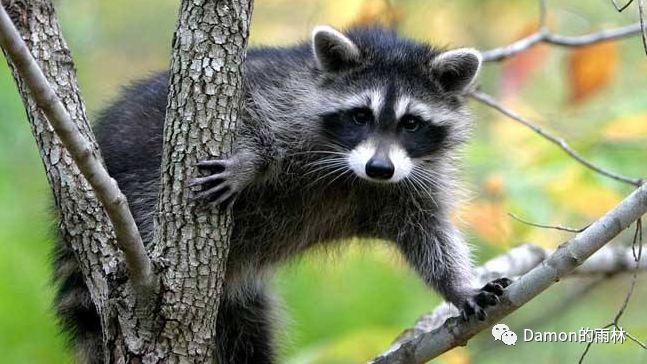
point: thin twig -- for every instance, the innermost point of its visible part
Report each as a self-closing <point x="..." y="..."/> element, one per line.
<point x="590" y="343"/>
<point x="637" y="242"/>
<point x="643" y="26"/>
<point x="542" y="15"/>
<point x="586" y="351"/>
<point x="619" y="8"/>
<point x="490" y="101"/>
<point x="634" y="339"/>
<point x="555" y="227"/>
<point x="105" y="188"/>
<point x="545" y="36"/>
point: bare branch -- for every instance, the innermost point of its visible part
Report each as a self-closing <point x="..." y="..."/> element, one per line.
<point x="545" y="36"/>
<point x="559" y="264"/>
<point x="542" y="15"/>
<point x="81" y="150"/>
<point x="619" y="8"/>
<point x="638" y="240"/>
<point x="490" y="101"/>
<point x="610" y="260"/>
<point x="643" y="27"/>
<point x="555" y="227"/>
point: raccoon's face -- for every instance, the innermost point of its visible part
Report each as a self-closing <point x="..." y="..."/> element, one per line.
<point x="394" y="104"/>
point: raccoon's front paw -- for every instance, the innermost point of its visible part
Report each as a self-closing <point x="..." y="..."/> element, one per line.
<point x="486" y="296"/>
<point x="222" y="186"/>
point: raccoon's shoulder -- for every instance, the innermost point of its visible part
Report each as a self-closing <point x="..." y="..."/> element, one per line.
<point x="131" y="128"/>
<point x="269" y="66"/>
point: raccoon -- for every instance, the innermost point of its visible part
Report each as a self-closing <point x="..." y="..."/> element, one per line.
<point x="351" y="134"/>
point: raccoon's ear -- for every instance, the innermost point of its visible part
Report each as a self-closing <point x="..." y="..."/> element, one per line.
<point x="457" y="69"/>
<point x="332" y="49"/>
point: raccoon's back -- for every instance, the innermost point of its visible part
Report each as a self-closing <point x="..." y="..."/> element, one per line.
<point x="130" y="133"/>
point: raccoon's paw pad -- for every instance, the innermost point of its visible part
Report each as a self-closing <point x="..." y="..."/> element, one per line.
<point x="485" y="297"/>
<point x="221" y="187"/>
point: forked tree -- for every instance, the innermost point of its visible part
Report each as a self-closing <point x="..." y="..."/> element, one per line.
<point x="158" y="303"/>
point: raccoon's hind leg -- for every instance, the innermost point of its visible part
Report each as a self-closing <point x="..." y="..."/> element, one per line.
<point x="244" y="332"/>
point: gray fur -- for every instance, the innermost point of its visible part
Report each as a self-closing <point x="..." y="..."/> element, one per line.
<point x="292" y="186"/>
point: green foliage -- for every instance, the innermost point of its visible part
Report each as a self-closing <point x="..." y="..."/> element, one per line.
<point x="348" y="307"/>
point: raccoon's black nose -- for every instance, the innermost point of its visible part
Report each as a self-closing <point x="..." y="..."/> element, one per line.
<point x="379" y="168"/>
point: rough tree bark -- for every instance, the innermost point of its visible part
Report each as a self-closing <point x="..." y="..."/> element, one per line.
<point x="175" y="322"/>
<point x="83" y="224"/>
<point x="204" y="99"/>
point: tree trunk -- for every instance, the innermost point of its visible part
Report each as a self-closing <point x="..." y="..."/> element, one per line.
<point x="177" y="322"/>
<point x="83" y="224"/>
<point x="204" y="98"/>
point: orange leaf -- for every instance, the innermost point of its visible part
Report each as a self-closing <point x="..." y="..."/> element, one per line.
<point x="494" y="184"/>
<point x="518" y="69"/>
<point x="381" y="12"/>
<point x="591" y="68"/>
<point x="489" y="221"/>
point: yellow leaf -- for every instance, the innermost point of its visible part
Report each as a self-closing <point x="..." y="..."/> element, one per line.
<point x="592" y="201"/>
<point x="382" y="12"/>
<point x="516" y="139"/>
<point x="355" y="347"/>
<point x="455" y="356"/>
<point x="342" y="12"/>
<point x="590" y="68"/>
<point x="548" y="239"/>
<point x="628" y="128"/>
<point x="575" y="193"/>
<point x="565" y="182"/>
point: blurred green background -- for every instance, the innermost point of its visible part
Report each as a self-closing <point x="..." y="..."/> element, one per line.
<point x="347" y="308"/>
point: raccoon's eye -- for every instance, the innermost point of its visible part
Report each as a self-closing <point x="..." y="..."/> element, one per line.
<point x="361" y="116"/>
<point x="410" y="122"/>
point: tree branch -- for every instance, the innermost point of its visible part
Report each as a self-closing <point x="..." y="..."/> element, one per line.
<point x="81" y="150"/>
<point x="559" y="264"/>
<point x="610" y="260"/>
<point x="545" y="36"/>
<point x="490" y="101"/>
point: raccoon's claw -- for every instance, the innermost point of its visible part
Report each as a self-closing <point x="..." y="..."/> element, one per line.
<point x="486" y="296"/>
<point x="215" y="178"/>
<point x="221" y="164"/>
<point x="220" y="188"/>
<point x="221" y="195"/>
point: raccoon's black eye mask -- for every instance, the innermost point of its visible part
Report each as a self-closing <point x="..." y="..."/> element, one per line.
<point x="361" y="115"/>
<point x="427" y="139"/>
<point x="347" y="128"/>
